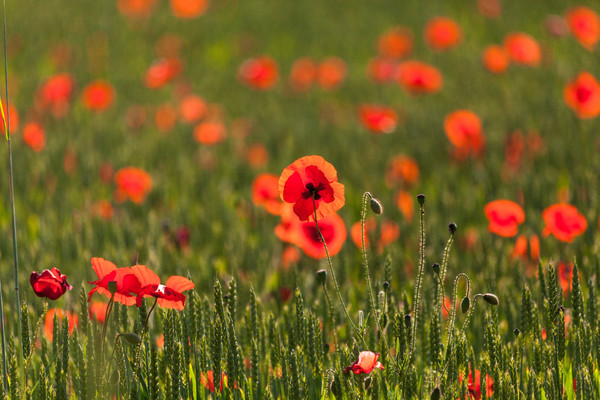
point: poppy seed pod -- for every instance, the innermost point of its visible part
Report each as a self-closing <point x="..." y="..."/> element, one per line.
<point x="131" y="338"/>
<point x="517" y="332"/>
<point x="491" y="298"/>
<point x="376" y="206"/>
<point x="452" y="228"/>
<point x="421" y="199"/>
<point x="386" y="285"/>
<point x="436" y="268"/>
<point x="322" y="277"/>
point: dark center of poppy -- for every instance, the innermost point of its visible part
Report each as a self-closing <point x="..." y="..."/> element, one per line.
<point x="312" y="191"/>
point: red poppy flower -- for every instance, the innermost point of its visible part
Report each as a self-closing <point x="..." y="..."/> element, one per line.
<point x="165" y="117"/>
<point x="13" y="115"/>
<point x="584" y="23"/>
<point x="311" y="180"/>
<point x="367" y="362"/>
<point x="192" y="108"/>
<point x="128" y="285"/>
<point x="583" y="95"/>
<point x="136" y="8"/>
<point x="520" y="249"/>
<point x="188" y="9"/>
<point x="162" y="71"/>
<point x="290" y="255"/>
<point x="442" y="33"/>
<point x="133" y="183"/>
<point x="405" y="203"/>
<point x="388" y="233"/>
<point x="259" y="73"/>
<point x="564" y="222"/>
<point x="395" y="43"/>
<point x="463" y="129"/>
<point x="495" y="59"/>
<point x="419" y="77"/>
<point x="210" y="133"/>
<point x="265" y="193"/>
<point x="474" y="385"/>
<point x="50" y="283"/>
<point x="402" y="169"/>
<point x="303" y="74"/>
<point x="34" y="136"/>
<point x="207" y="380"/>
<point x="97" y="311"/>
<point x="378" y="119"/>
<point x="98" y="96"/>
<point x="564" y="272"/>
<point x="55" y="93"/>
<point x="504" y="216"/>
<point x="523" y="49"/>
<point x="331" y="73"/>
<point x="257" y="155"/>
<point x="382" y="70"/>
<point x="489" y="8"/>
<point x="169" y="295"/>
<point x="356" y="235"/>
<point x="103" y="209"/>
<point x="60" y="314"/>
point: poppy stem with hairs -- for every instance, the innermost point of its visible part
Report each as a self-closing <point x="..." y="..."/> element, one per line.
<point x="335" y="282"/>
<point x="105" y="326"/>
<point x="419" y="282"/>
<point x="5" y="377"/>
<point x="148" y="316"/>
<point x="363" y="215"/>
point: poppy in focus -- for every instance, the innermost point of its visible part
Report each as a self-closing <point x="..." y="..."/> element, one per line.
<point x="378" y="119"/>
<point x="161" y="72"/>
<point x="331" y="73"/>
<point x="504" y="216"/>
<point x="523" y="49"/>
<point x="463" y="129"/>
<point x="419" y="77"/>
<point x="442" y="33"/>
<point x="49" y="283"/>
<point x="584" y="24"/>
<point x="188" y="9"/>
<point x="495" y="59"/>
<point x="98" y="96"/>
<point x="564" y="222"/>
<point x="127" y="284"/>
<point x="259" y="73"/>
<point x="169" y="295"/>
<point x="132" y="183"/>
<point x="60" y="314"/>
<point x="367" y="362"/>
<point x="311" y="184"/>
<point x="265" y="193"/>
<point x="583" y="95"/>
<point x="395" y="43"/>
<point x="34" y="136"/>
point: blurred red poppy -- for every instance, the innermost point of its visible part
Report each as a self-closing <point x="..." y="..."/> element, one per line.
<point x="356" y="235"/>
<point x="463" y="129"/>
<point x="132" y="183"/>
<point x="192" y="108"/>
<point x="98" y="96"/>
<point x="34" y="136"/>
<point x="564" y="222"/>
<point x="419" y="77"/>
<point x="504" y="216"/>
<point x="97" y="311"/>
<point x="523" y="49"/>
<point x="388" y="233"/>
<point x="165" y="117"/>
<point x="489" y="8"/>
<point x="103" y="209"/>
<point x="310" y="183"/>
<point x="378" y="119"/>
<point x="495" y="59"/>
<point x="395" y="43"/>
<point x="520" y="249"/>
<point x="564" y="272"/>
<point x="442" y="33"/>
<point x="583" y="95"/>
<point x="382" y="70"/>
<point x="55" y="93"/>
<point x="50" y="283"/>
<point x="162" y="71"/>
<point x="290" y="255"/>
<point x="136" y="8"/>
<point x="209" y="133"/>
<point x="584" y="24"/>
<point x="207" y="380"/>
<point x="367" y="362"/>
<point x="257" y="155"/>
<point x="13" y="115"/>
<point x="405" y="203"/>
<point x="188" y="9"/>
<point x="127" y="284"/>
<point x="259" y="73"/>
<point x="303" y="74"/>
<point x="169" y="295"/>
<point x="331" y="73"/>
<point x="403" y="170"/>
<point x="265" y="193"/>
<point x="60" y="314"/>
<point x="474" y="385"/>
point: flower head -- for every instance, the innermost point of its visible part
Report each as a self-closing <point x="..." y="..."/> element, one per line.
<point x="49" y="283"/>
<point x="127" y="284"/>
<point x="133" y="183"/>
<point x="60" y="315"/>
<point x="367" y="362"/>
<point x="395" y="43"/>
<point x="311" y="180"/>
<point x="564" y="222"/>
<point x="331" y="73"/>
<point x="583" y="95"/>
<point x="378" y="119"/>
<point x="55" y="93"/>
<point x="162" y="71"/>
<point x="265" y="193"/>
<point x="34" y="136"/>
<point x="495" y="59"/>
<point x="418" y="77"/>
<point x="584" y="23"/>
<point x="523" y="49"/>
<point x="463" y="129"/>
<point x="188" y="9"/>
<point x="259" y="73"/>
<point x="504" y="216"/>
<point x="442" y="33"/>
<point x="169" y="295"/>
<point x="98" y="96"/>
<point x="303" y="74"/>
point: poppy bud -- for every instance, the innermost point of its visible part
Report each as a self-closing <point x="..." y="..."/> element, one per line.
<point x="421" y="199"/>
<point x="112" y="287"/>
<point x="322" y="277"/>
<point x="436" y="393"/>
<point x="465" y="304"/>
<point x="517" y="332"/>
<point x="491" y="298"/>
<point x="407" y="321"/>
<point x="386" y="285"/>
<point x="436" y="268"/>
<point x="452" y="228"/>
<point x="131" y="337"/>
<point x="376" y="206"/>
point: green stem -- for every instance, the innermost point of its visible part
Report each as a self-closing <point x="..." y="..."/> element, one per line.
<point x="417" y="298"/>
<point x="105" y="326"/>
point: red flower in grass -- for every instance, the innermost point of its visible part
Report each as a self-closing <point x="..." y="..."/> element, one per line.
<point x="127" y="284"/>
<point x="311" y="180"/>
<point x="474" y="386"/>
<point x="520" y="249"/>
<point x="169" y="295"/>
<point x="189" y="9"/>
<point x="192" y="108"/>
<point x="34" y="136"/>
<point x="442" y="33"/>
<point x="564" y="222"/>
<point x="55" y="93"/>
<point x="395" y="43"/>
<point x="331" y="73"/>
<point x="207" y="380"/>
<point x="381" y="70"/>
<point x="388" y="233"/>
<point x="505" y="216"/>
<point x="98" y="96"/>
<point x="378" y="119"/>
<point x="463" y="129"/>
<point x="49" y="283"/>
<point x="97" y="311"/>
<point x="136" y="8"/>
<point x="60" y="314"/>
<point x="303" y="74"/>
<point x="162" y="71"/>
<point x="133" y="183"/>
<point x="418" y="77"/>
<point x="495" y="59"/>
<point x="583" y="95"/>
<point x="265" y="193"/>
<point x="584" y="23"/>
<point x="259" y="73"/>
<point x="564" y="272"/>
<point x="367" y="362"/>
<point x="523" y="49"/>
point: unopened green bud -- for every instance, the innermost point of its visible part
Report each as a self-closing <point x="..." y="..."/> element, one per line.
<point x="131" y="337"/>
<point x="376" y="205"/>
<point x="491" y="298"/>
<point x="386" y="285"/>
<point x="436" y="394"/>
<point x="465" y="304"/>
<point x="436" y="268"/>
<point x="517" y="332"/>
<point x="421" y="199"/>
<point x="452" y="227"/>
<point x="322" y="277"/>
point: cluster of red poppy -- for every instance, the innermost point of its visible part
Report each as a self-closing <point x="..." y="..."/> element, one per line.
<point x="183" y="9"/>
